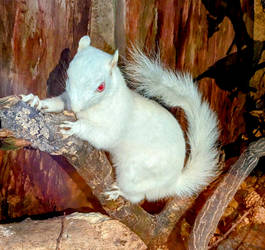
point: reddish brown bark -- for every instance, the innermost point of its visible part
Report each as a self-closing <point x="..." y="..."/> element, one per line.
<point x="33" y="35"/>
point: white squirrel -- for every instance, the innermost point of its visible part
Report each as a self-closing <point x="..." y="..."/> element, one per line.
<point x="144" y="139"/>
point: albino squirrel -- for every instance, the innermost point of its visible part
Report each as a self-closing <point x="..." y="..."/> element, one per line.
<point x="144" y="139"/>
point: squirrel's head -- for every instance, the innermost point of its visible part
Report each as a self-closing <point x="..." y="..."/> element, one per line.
<point x="90" y="75"/>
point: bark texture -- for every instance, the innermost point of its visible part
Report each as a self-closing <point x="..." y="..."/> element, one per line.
<point x="76" y="231"/>
<point x="33" y="35"/>
<point x="207" y="220"/>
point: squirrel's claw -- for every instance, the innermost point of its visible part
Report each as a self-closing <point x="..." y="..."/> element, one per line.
<point x="68" y="128"/>
<point x="33" y="101"/>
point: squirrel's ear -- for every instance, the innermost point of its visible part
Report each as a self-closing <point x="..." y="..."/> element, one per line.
<point x="114" y="59"/>
<point x="83" y="43"/>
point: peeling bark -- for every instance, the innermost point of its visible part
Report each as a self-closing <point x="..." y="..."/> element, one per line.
<point x="208" y="218"/>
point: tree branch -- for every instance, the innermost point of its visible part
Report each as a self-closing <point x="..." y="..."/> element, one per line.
<point x="209" y="216"/>
<point x="42" y="132"/>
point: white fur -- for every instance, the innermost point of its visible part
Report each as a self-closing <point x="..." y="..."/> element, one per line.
<point x="145" y="140"/>
<point x="83" y="43"/>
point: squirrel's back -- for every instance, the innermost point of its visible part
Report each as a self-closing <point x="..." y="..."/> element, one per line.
<point x="177" y="89"/>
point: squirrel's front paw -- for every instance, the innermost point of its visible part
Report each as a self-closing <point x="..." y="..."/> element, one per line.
<point x="70" y="128"/>
<point x="33" y="101"/>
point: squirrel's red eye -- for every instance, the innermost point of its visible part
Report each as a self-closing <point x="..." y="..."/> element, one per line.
<point x="101" y="87"/>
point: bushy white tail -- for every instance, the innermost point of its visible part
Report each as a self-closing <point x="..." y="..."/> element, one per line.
<point x="177" y="89"/>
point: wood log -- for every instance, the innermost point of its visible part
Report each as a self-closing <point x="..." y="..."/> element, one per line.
<point x="75" y="231"/>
